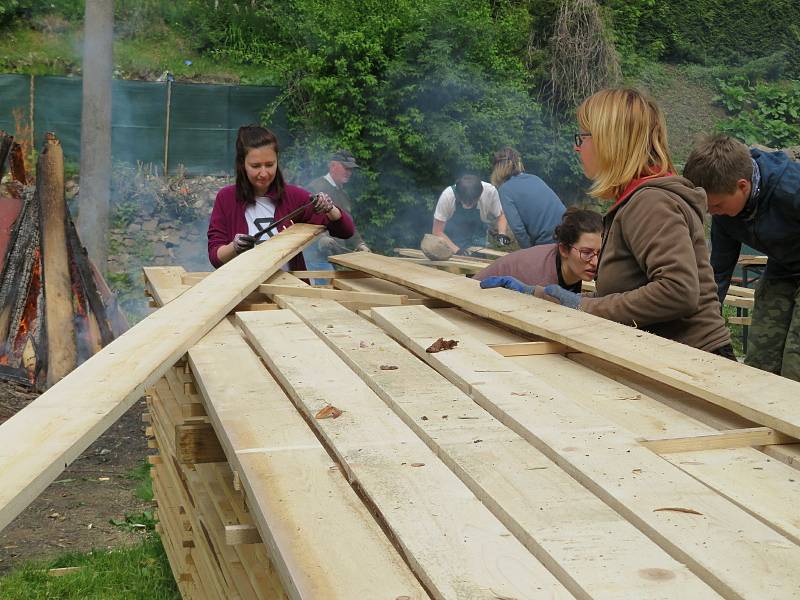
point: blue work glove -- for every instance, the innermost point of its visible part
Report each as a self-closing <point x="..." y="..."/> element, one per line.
<point x="507" y="282"/>
<point x="564" y="297"/>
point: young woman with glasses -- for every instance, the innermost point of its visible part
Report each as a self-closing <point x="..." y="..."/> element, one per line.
<point x="567" y="263"/>
<point x="654" y="271"/>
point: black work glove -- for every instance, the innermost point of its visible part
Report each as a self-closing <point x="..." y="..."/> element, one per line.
<point x="243" y="242"/>
<point x="502" y="240"/>
<point x="323" y="203"/>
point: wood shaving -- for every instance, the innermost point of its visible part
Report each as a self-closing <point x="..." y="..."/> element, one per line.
<point x="441" y="344"/>
<point x="417" y="464"/>
<point x="689" y="511"/>
<point x="328" y="412"/>
<point x="388" y="367"/>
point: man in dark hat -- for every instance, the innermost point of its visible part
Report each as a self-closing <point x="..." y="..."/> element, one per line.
<point x="340" y="169"/>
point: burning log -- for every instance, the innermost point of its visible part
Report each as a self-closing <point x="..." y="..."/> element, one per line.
<point x="55" y="309"/>
<point x="62" y="348"/>
<point x="5" y="147"/>
<point x="17" y="161"/>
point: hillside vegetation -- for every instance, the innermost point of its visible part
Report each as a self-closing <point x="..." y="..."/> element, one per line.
<point x="420" y="91"/>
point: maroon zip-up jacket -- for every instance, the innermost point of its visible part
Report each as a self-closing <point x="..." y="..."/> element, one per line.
<point x="227" y="219"/>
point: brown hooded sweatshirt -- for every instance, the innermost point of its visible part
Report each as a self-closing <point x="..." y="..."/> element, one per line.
<point x="654" y="271"/>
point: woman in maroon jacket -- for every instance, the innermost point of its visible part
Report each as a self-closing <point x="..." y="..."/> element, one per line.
<point x="259" y="197"/>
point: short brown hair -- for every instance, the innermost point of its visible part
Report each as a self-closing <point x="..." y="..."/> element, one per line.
<point x="717" y="163"/>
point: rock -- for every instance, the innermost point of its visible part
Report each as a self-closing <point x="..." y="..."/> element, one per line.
<point x="435" y="248"/>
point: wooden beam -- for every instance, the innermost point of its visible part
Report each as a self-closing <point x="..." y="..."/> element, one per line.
<point x="62" y="351"/>
<point x="53" y="430"/>
<point x="740" y="320"/>
<point x="300" y="502"/>
<point x="197" y="443"/>
<point x="508" y="475"/>
<point x="734" y="438"/>
<point x="761" y="397"/>
<point x="447" y="547"/>
<point x="340" y="295"/>
<point x="722" y="544"/>
<point x="236" y="535"/>
<point x="529" y="348"/>
<point x="737" y="290"/>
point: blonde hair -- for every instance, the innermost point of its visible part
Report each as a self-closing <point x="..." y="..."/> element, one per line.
<point x="507" y="163"/>
<point x="629" y="135"/>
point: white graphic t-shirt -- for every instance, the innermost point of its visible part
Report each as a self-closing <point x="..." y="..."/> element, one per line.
<point x="260" y="216"/>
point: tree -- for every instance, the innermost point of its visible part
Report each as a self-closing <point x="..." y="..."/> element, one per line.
<point x="95" y="175"/>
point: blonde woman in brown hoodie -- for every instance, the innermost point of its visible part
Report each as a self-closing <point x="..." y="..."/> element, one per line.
<point x="654" y="271"/>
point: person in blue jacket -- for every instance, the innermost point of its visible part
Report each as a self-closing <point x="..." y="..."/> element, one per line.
<point x="531" y="208"/>
<point x="754" y="199"/>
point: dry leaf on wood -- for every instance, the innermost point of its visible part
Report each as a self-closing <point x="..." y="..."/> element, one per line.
<point x="441" y="344"/>
<point x="328" y="412"/>
<point x="417" y="464"/>
<point x="689" y="511"/>
<point x="388" y="367"/>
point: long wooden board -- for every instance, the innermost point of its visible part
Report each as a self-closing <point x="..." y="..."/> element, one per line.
<point x="457" y="548"/>
<point x="761" y="397"/>
<point x="40" y="440"/>
<point x="303" y="507"/>
<point x="732" y="551"/>
<point x="593" y="551"/>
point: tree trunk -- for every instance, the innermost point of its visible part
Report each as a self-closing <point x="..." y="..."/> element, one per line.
<point x="95" y="177"/>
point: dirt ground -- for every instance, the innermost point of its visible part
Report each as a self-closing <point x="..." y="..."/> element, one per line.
<point x="73" y="513"/>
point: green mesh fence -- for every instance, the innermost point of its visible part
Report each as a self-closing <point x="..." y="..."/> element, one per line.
<point x="203" y="118"/>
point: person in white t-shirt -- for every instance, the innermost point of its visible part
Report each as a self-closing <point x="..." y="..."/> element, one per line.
<point x="464" y="213"/>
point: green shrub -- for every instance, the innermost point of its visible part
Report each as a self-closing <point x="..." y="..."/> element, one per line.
<point x="763" y="113"/>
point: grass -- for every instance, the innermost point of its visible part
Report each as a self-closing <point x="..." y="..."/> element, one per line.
<point x="58" y="50"/>
<point x="144" y="488"/>
<point x="135" y="573"/>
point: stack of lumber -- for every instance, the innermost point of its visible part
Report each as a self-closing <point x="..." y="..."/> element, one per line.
<point x="549" y="454"/>
<point x="309" y="445"/>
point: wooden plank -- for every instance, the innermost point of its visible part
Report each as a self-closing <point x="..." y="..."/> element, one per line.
<point x="241" y="534"/>
<point x="328" y="274"/>
<point x="374" y="285"/>
<point x="491" y="252"/>
<point x="197" y="443"/>
<point x="164" y="284"/>
<point x="593" y="551"/>
<point x="62" y="351"/>
<point x="737" y="290"/>
<point x="761" y="397"/>
<point x="328" y="294"/>
<point x="456" y="547"/>
<point x="529" y="348"/>
<point x="734" y="438"/>
<point x="725" y="546"/>
<point x="301" y="504"/>
<point x="49" y="433"/>
<point x="740" y="320"/>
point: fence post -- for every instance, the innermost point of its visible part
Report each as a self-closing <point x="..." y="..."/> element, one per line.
<point x="32" y="96"/>
<point x="166" y="125"/>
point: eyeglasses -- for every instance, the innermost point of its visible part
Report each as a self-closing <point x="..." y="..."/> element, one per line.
<point x="579" y="138"/>
<point x="586" y="254"/>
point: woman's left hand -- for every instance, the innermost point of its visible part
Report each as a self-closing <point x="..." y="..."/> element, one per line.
<point x="323" y="203"/>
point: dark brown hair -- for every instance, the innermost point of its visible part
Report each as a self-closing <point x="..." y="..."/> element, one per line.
<point x="468" y="189"/>
<point x="717" y="163"/>
<point x="248" y="138"/>
<point x="575" y="222"/>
